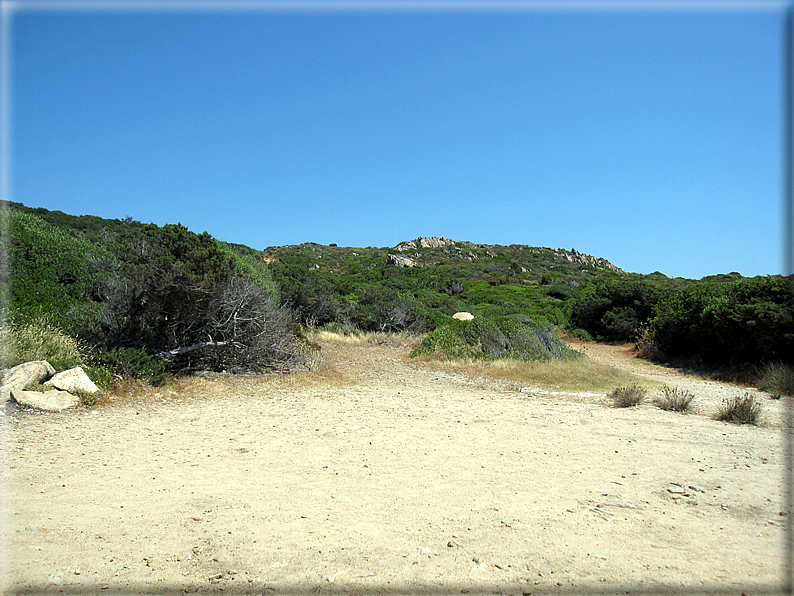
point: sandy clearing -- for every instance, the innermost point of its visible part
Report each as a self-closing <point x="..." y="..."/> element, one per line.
<point x="404" y="480"/>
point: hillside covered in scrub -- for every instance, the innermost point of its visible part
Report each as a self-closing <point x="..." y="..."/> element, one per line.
<point x="142" y="299"/>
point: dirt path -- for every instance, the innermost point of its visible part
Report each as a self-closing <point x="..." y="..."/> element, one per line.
<point x="399" y="480"/>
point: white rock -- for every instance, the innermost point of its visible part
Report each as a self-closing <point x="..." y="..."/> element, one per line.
<point x="463" y="316"/>
<point x="23" y="375"/>
<point x="49" y="401"/>
<point x="73" y="380"/>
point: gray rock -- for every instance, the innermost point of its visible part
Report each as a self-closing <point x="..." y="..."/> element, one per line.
<point x="621" y="504"/>
<point x="49" y="401"/>
<point x="73" y="380"/>
<point x="675" y="489"/>
<point x="401" y="261"/>
<point x="24" y="375"/>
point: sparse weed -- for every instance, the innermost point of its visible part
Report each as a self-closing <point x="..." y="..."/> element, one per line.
<point x="674" y="399"/>
<point x="646" y="344"/>
<point x="743" y="409"/>
<point x="626" y="397"/>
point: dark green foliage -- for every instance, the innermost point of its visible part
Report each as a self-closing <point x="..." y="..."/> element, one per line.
<point x="513" y="336"/>
<point x="356" y="286"/>
<point x="125" y="284"/>
<point x="134" y="363"/>
<point x="750" y="320"/>
<point x="132" y="291"/>
<point x="614" y="310"/>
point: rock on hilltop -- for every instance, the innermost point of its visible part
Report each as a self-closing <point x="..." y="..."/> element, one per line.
<point x="573" y="255"/>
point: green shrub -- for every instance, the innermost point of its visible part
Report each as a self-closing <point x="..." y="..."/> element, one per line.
<point x="496" y="337"/>
<point x="626" y="397"/>
<point x="740" y="410"/>
<point x="729" y="323"/>
<point x="674" y="399"/>
<point x="447" y="342"/>
<point x="132" y="363"/>
<point x="50" y="269"/>
<point x="777" y="378"/>
<point x="249" y="264"/>
<point x="614" y="309"/>
<point x="581" y="334"/>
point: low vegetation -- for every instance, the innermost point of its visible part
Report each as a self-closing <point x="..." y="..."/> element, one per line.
<point x="744" y="409"/>
<point x="628" y="396"/>
<point x="674" y="399"/>
<point x="144" y="301"/>
<point x="516" y="336"/>
<point x="40" y="339"/>
<point x="776" y="378"/>
<point x="580" y="375"/>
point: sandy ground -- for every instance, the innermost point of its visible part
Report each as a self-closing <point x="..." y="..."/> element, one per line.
<point x="400" y="480"/>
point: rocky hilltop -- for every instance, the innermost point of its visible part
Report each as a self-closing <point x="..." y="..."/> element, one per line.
<point x="490" y="251"/>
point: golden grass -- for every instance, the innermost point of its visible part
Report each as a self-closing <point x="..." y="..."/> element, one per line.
<point x="393" y="340"/>
<point x="581" y="375"/>
<point x="39" y="340"/>
<point x="182" y="388"/>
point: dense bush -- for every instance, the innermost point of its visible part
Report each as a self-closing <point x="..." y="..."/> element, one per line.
<point x="131" y="363"/>
<point x="247" y="330"/>
<point x="749" y="320"/>
<point x="614" y="310"/>
<point x="50" y="270"/>
<point x="497" y="337"/>
<point x="133" y="286"/>
<point x="138" y="290"/>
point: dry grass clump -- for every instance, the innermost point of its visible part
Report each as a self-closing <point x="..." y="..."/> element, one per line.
<point x="628" y="396"/>
<point x="355" y="337"/>
<point x="776" y="378"/>
<point x="579" y="375"/>
<point x="674" y="399"/>
<point x="39" y="340"/>
<point x="744" y="409"/>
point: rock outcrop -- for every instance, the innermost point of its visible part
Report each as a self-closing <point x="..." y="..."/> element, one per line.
<point x="574" y="256"/>
<point x="431" y="242"/>
<point x="401" y="261"/>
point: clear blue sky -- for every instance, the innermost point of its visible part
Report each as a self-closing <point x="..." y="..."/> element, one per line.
<point x="650" y="137"/>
